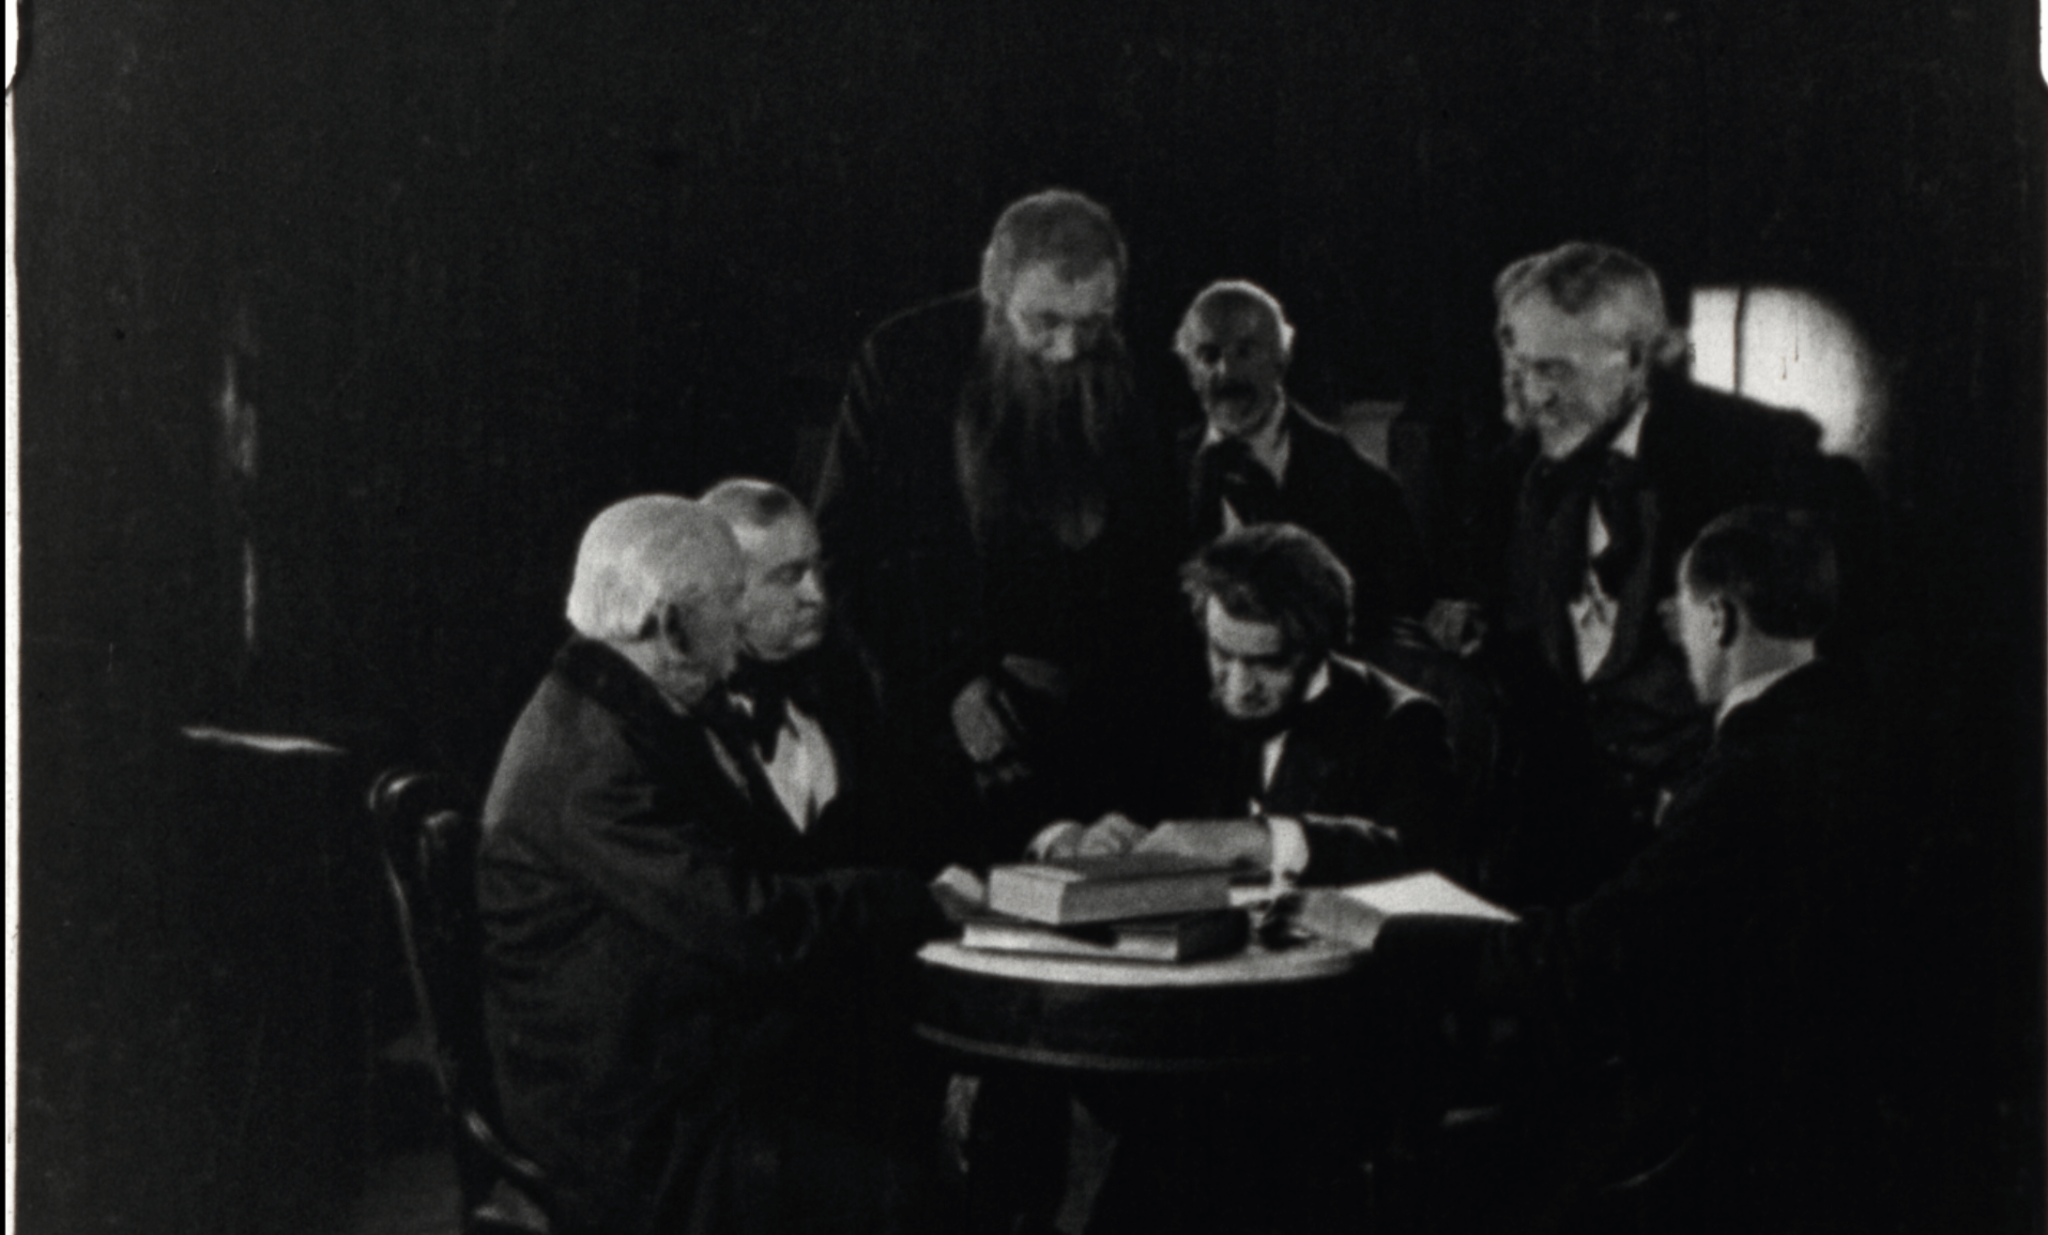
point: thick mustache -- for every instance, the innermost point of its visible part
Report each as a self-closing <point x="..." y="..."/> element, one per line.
<point x="1233" y="390"/>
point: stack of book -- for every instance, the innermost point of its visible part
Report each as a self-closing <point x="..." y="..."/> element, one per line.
<point x="1155" y="907"/>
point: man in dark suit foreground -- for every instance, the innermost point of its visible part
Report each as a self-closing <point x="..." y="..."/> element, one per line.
<point x="1706" y="994"/>
<point x="674" y="992"/>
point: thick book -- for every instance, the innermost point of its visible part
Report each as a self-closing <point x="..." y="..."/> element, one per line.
<point x="1131" y="885"/>
<point x="1173" y="938"/>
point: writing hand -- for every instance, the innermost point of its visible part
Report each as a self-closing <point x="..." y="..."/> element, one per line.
<point x="1329" y="914"/>
<point x="1377" y="832"/>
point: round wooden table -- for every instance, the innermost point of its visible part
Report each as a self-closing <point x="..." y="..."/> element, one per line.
<point x="1256" y="1009"/>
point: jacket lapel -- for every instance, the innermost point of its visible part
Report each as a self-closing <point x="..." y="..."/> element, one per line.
<point x="1333" y="739"/>
<point x="1636" y="608"/>
<point x="1636" y="619"/>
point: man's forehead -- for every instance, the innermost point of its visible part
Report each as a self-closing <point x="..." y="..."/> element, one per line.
<point x="1685" y="586"/>
<point x="1241" y="636"/>
<point x="1229" y="320"/>
<point x="1536" y="324"/>
<point x="793" y="536"/>
<point x="1044" y="287"/>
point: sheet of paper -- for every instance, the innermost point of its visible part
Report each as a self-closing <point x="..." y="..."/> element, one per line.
<point x="1426" y="892"/>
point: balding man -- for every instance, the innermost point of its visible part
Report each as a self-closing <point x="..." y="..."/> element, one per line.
<point x="1618" y="462"/>
<point x="999" y="518"/>
<point x="1260" y="457"/>
<point x="666" y="980"/>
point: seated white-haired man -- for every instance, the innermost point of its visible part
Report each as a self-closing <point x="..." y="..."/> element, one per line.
<point x="664" y="991"/>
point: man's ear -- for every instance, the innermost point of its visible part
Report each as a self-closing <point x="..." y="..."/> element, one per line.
<point x="673" y="631"/>
<point x="991" y="277"/>
<point x="1730" y="621"/>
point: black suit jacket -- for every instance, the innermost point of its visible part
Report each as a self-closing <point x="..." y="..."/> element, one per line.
<point x="1351" y="505"/>
<point x="664" y="967"/>
<point x="1722" y="965"/>
<point x="932" y="605"/>
<point x="1593" y="754"/>
<point x="1368" y="747"/>
<point x="893" y="808"/>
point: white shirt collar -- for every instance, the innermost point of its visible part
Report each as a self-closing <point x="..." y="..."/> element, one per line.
<point x="1629" y="440"/>
<point x="1750" y="689"/>
<point x="1318" y="682"/>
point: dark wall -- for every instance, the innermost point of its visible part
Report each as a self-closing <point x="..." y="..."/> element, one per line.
<point x="479" y="268"/>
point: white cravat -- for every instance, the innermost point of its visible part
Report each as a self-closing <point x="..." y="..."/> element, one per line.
<point x="803" y="773"/>
<point x="1593" y="610"/>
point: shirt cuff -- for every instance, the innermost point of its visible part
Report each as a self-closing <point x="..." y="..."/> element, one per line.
<point x="1290" y="847"/>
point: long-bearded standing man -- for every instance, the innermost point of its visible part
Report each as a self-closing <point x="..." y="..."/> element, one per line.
<point x="999" y="522"/>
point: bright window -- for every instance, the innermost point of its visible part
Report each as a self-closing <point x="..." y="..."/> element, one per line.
<point x="1791" y="348"/>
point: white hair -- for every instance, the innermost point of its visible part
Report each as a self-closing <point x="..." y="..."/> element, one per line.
<point x="1617" y="288"/>
<point x="641" y="555"/>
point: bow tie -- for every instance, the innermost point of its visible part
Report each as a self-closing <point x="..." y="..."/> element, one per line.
<point x="767" y="690"/>
<point x="764" y="724"/>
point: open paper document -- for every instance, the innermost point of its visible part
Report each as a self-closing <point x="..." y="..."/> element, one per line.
<point x="1425" y="892"/>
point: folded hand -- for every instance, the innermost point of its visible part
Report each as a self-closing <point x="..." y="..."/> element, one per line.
<point x="1456" y="626"/>
<point x="1111" y="835"/>
<point x="959" y="892"/>
<point x="1243" y="842"/>
<point x="1108" y="836"/>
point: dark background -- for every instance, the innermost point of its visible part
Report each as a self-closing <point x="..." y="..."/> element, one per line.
<point x="479" y="268"/>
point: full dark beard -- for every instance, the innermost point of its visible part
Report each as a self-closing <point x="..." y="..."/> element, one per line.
<point x="1032" y="439"/>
